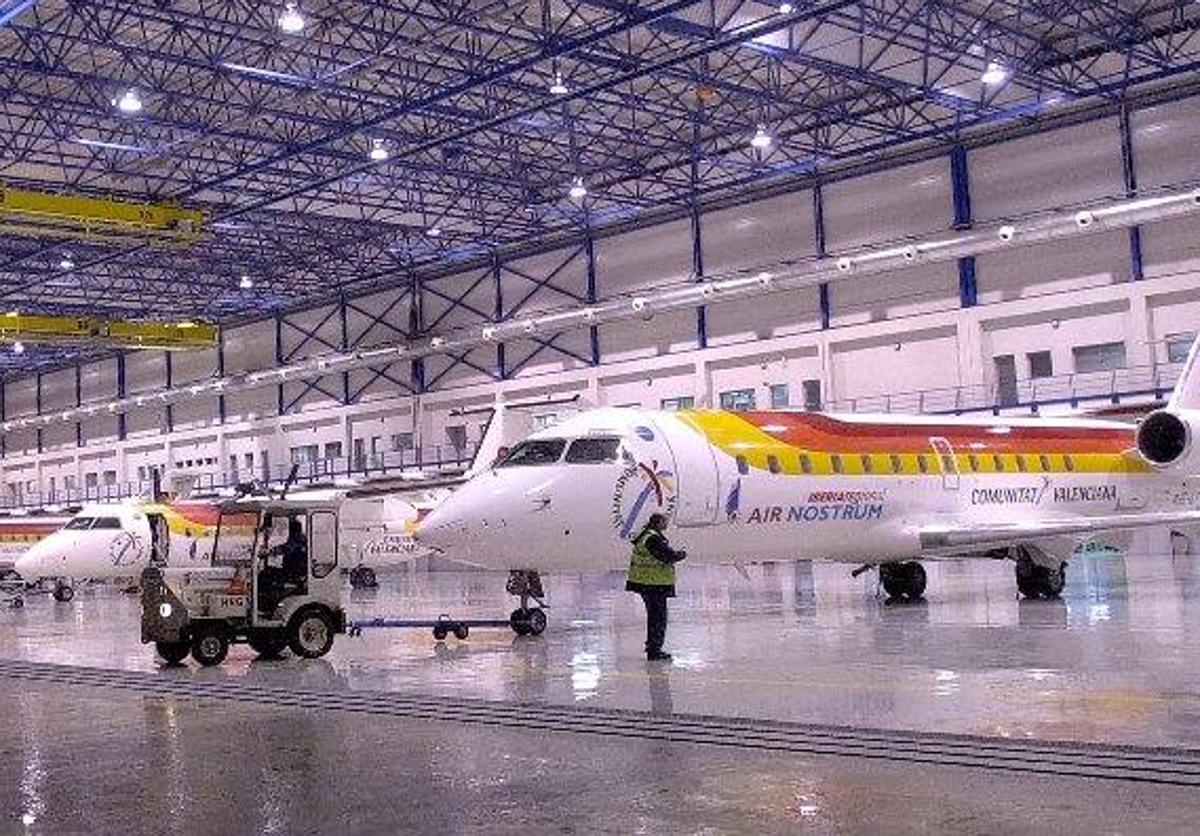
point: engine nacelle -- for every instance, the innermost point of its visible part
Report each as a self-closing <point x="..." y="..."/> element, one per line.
<point x="1164" y="438"/>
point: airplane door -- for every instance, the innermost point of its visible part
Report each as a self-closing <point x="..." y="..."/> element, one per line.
<point x="697" y="484"/>
<point x="946" y="462"/>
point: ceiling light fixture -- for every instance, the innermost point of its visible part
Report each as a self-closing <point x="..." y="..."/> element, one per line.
<point x="292" y="20"/>
<point x="130" y="102"/>
<point x="557" y="87"/>
<point x="786" y="8"/>
<point x="246" y="283"/>
<point x="434" y="232"/>
<point x="995" y="74"/>
<point x="761" y="139"/>
<point x="18" y="347"/>
<point x="66" y="263"/>
<point x="577" y="191"/>
<point x="379" y="151"/>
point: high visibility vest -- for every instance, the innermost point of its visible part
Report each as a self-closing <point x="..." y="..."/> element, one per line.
<point x="646" y="569"/>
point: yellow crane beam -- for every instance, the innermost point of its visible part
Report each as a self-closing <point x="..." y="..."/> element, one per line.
<point x="31" y="212"/>
<point x="166" y="336"/>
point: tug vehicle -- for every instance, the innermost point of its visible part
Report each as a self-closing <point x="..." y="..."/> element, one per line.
<point x="272" y="583"/>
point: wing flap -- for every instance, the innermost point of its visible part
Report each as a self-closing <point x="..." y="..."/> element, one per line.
<point x="937" y="538"/>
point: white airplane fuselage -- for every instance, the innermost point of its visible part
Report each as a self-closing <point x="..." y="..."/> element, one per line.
<point x="764" y="486"/>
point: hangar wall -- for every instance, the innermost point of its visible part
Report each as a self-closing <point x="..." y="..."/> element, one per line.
<point x="1056" y="309"/>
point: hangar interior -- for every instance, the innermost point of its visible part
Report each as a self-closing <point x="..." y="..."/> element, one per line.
<point x="323" y="180"/>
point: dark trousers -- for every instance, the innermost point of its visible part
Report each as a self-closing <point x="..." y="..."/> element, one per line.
<point x="656" y="620"/>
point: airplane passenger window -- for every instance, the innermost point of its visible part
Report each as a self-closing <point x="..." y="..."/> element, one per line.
<point x="897" y="465"/>
<point x="1069" y="463"/>
<point x="743" y="466"/>
<point x="1044" y="460"/>
<point x="922" y="463"/>
<point x="593" y="450"/>
<point x="80" y="523"/>
<point x="107" y="522"/>
<point x="1022" y="465"/>
<point x="948" y="465"/>
<point x="973" y="461"/>
<point x="805" y="463"/>
<point x="835" y="461"/>
<point x="867" y="465"/>
<point x="998" y="462"/>
<point x="535" y="452"/>
<point x="773" y="464"/>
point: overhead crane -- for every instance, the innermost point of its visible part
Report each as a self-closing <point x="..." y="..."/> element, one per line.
<point x="38" y="213"/>
<point x="168" y="336"/>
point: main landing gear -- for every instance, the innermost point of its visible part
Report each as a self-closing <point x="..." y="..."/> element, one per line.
<point x="63" y="591"/>
<point x="903" y="581"/>
<point x="1039" y="579"/>
<point x="527" y="586"/>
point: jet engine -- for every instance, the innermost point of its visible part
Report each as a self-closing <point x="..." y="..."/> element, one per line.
<point x="1164" y="437"/>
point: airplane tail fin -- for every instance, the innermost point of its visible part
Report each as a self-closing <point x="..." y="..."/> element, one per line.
<point x="1186" y="395"/>
<point x="508" y="424"/>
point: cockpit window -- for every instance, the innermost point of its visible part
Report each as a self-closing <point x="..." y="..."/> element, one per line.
<point x="534" y="452"/>
<point x="594" y="450"/>
<point x="107" y="522"/>
<point x="80" y="523"/>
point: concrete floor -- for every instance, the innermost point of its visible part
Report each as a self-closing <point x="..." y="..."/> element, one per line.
<point x="1114" y="662"/>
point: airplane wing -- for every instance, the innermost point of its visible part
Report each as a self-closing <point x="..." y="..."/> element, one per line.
<point x="952" y="538"/>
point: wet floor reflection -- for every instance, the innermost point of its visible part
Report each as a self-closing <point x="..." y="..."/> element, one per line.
<point x="1113" y="660"/>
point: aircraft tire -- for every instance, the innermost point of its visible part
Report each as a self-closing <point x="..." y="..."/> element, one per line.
<point x="462" y="632"/>
<point x="363" y="577"/>
<point x="268" y="644"/>
<point x="915" y="579"/>
<point x="172" y="652"/>
<point x="210" y="645"/>
<point x="1040" y="582"/>
<point x="63" y="592"/>
<point x="536" y="621"/>
<point x="310" y="633"/>
<point x="519" y="622"/>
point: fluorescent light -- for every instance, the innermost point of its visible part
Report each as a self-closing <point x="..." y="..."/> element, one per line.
<point x="130" y="102"/>
<point x="995" y="73"/>
<point x="66" y="263"/>
<point x="577" y="191"/>
<point x="246" y="283"/>
<point x="112" y="146"/>
<point x="379" y="151"/>
<point x="434" y="231"/>
<point x="269" y="75"/>
<point x="291" y="21"/>
<point x="786" y="8"/>
<point x="761" y="139"/>
<point x="18" y="347"/>
<point x="557" y="87"/>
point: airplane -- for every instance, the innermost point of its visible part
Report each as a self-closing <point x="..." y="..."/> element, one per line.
<point x="109" y="541"/>
<point x="881" y="491"/>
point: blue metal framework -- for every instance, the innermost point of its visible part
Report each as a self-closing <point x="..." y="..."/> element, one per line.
<point x="269" y="133"/>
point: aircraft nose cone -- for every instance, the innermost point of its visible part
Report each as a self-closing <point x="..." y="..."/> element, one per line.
<point x="27" y="564"/>
<point x="442" y="529"/>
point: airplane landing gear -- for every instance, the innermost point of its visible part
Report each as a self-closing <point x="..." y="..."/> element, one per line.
<point x="1038" y="580"/>
<point x="903" y="581"/>
<point x="63" y="591"/>
<point x="526" y="620"/>
<point x="363" y="577"/>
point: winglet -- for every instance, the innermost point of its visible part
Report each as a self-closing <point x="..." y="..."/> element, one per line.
<point x="1187" y="389"/>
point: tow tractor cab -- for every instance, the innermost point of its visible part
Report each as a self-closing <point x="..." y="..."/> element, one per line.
<point x="273" y="583"/>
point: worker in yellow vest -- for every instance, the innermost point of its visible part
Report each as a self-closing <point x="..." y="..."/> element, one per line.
<point x="652" y="575"/>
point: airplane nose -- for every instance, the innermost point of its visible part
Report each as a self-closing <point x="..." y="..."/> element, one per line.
<point x="27" y="565"/>
<point x="443" y="529"/>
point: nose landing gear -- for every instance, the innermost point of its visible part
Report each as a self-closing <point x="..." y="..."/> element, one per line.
<point x="526" y="620"/>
